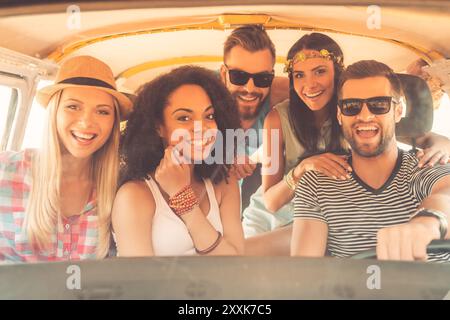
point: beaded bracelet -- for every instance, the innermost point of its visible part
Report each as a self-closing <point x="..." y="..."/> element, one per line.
<point x="183" y="201"/>
<point x="212" y="247"/>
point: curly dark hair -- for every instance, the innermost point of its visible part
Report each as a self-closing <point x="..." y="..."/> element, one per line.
<point x="142" y="148"/>
<point x="302" y="117"/>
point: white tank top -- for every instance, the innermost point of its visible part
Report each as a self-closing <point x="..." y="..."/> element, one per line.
<point x="170" y="236"/>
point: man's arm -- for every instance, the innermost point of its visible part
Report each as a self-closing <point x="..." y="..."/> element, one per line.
<point x="310" y="230"/>
<point x="409" y="241"/>
<point x="438" y="200"/>
<point x="436" y="148"/>
<point x="272" y="243"/>
<point x="309" y="238"/>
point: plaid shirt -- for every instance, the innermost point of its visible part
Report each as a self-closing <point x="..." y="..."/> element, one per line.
<point x="76" y="236"/>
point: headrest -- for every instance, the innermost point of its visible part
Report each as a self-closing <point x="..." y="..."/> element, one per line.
<point x="418" y="119"/>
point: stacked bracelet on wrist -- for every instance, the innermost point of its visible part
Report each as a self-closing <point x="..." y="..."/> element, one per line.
<point x="289" y="179"/>
<point x="183" y="201"/>
<point x="211" y="247"/>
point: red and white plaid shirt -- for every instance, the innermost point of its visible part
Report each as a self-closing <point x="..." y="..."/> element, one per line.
<point x="76" y="237"/>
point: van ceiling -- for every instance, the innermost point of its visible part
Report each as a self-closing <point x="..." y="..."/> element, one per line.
<point x="130" y="35"/>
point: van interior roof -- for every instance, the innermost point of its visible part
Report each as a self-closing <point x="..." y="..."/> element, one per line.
<point x="140" y="39"/>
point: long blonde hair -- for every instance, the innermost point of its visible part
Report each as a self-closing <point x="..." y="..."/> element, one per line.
<point x="42" y="212"/>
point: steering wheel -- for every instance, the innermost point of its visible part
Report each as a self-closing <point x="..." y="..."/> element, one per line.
<point x="434" y="247"/>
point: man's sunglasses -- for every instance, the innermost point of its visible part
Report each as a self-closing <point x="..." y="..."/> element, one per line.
<point x="240" y="78"/>
<point x="376" y="105"/>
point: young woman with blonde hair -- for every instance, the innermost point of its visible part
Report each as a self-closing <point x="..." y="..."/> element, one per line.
<point x="55" y="203"/>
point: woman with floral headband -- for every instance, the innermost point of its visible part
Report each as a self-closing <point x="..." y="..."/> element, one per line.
<point x="175" y="200"/>
<point x="310" y="136"/>
<point x="55" y="203"/>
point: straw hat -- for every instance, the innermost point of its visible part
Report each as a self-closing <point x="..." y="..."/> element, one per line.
<point x="85" y="71"/>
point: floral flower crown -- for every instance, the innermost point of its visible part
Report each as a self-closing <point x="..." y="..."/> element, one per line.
<point x="301" y="56"/>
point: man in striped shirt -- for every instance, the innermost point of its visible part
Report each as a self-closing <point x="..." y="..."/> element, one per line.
<point x="389" y="203"/>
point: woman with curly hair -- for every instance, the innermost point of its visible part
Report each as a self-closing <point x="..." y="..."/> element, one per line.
<point x="174" y="200"/>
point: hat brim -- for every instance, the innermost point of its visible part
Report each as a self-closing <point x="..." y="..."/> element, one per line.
<point x="44" y="95"/>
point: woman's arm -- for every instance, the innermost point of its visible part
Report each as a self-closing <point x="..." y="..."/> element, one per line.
<point x="436" y="148"/>
<point x="230" y="214"/>
<point x="276" y="191"/>
<point x="204" y="234"/>
<point x="132" y="215"/>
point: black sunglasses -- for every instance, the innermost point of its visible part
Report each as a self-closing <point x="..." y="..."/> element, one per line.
<point x="240" y="78"/>
<point x="376" y="105"/>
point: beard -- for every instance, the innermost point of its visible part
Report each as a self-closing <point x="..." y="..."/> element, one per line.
<point x="386" y="135"/>
<point x="246" y="111"/>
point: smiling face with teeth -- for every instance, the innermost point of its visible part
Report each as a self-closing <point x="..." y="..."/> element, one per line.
<point x="189" y="123"/>
<point x="314" y="80"/>
<point x="248" y="97"/>
<point x="369" y="135"/>
<point x="84" y="120"/>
